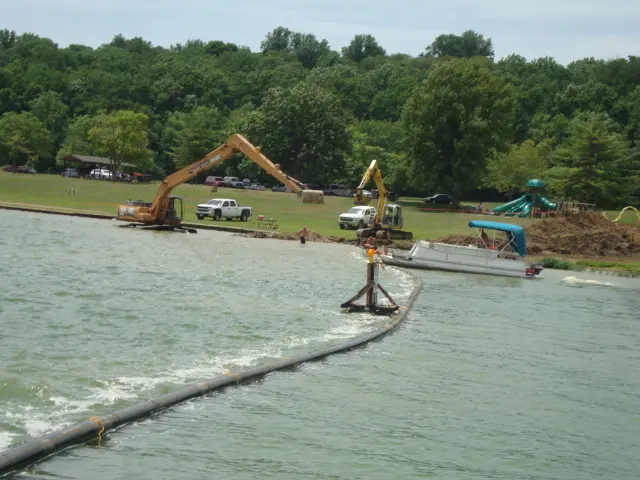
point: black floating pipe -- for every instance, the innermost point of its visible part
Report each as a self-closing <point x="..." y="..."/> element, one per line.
<point x="30" y="452"/>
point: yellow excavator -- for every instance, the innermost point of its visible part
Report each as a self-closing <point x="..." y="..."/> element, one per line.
<point x="166" y="210"/>
<point x="387" y="223"/>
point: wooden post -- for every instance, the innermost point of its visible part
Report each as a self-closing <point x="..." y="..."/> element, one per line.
<point x="370" y="291"/>
<point x="372" y="280"/>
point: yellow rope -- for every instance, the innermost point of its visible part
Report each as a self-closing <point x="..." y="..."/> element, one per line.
<point x="294" y="362"/>
<point x="234" y="374"/>
<point x="633" y="209"/>
<point x="99" y="422"/>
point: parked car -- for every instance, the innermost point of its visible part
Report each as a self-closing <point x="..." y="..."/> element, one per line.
<point x="211" y="181"/>
<point x="281" y="188"/>
<point x="101" y="173"/>
<point x="20" y="169"/>
<point x="70" y="172"/>
<point x="390" y="195"/>
<point x="441" y="198"/>
<point x="141" y="178"/>
<point x="357" y="217"/>
<point x="338" y="190"/>
<point x="237" y="184"/>
<point x="255" y="186"/>
<point x="123" y="177"/>
<point x="230" y="180"/>
<point x="228" y="208"/>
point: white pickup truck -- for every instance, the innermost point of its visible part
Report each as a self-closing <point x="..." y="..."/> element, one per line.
<point x="357" y="217"/>
<point x="217" y="208"/>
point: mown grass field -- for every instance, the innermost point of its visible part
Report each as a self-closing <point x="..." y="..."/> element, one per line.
<point x="290" y="213"/>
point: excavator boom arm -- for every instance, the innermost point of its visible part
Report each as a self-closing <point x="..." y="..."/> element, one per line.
<point x="382" y="195"/>
<point x="374" y="171"/>
<point x="367" y="175"/>
<point x="210" y="160"/>
<point x="234" y="144"/>
<point x="243" y="145"/>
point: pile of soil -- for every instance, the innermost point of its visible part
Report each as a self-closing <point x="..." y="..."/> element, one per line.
<point x="587" y="234"/>
<point x="316" y="237"/>
<point x="311" y="236"/>
<point x="464" y="240"/>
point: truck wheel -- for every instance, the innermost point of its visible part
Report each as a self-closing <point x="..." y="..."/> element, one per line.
<point x="341" y="226"/>
<point x="217" y="215"/>
<point x="244" y="216"/>
<point x="200" y="217"/>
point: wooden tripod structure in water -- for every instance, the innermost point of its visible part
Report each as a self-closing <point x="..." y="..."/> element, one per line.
<point x="371" y="292"/>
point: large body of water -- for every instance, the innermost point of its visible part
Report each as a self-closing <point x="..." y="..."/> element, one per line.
<point x="488" y="378"/>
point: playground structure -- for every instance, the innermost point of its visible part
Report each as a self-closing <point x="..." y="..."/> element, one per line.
<point x="571" y="206"/>
<point x="530" y="204"/>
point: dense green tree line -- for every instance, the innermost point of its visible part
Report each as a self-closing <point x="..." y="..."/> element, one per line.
<point x="452" y="119"/>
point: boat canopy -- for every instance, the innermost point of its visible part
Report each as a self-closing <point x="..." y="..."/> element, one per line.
<point x="514" y="232"/>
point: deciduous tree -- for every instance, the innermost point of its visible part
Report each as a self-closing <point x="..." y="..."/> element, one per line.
<point x="304" y="46"/>
<point x="77" y="138"/>
<point x="594" y="161"/>
<point x="469" y="44"/>
<point x="361" y="47"/>
<point x="122" y="137"/>
<point x="304" y="129"/>
<point x="52" y="112"/>
<point x="191" y="135"/>
<point x="453" y="121"/>
<point x="509" y="172"/>
<point x="24" y="139"/>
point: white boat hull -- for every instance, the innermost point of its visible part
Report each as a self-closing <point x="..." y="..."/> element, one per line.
<point x="456" y="258"/>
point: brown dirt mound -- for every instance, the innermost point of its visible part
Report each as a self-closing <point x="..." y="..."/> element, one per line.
<point x="463" y="240"/>
<point x="316" y="237"/>
<point x="311" y="236"/>
<point x="586" y="234"/>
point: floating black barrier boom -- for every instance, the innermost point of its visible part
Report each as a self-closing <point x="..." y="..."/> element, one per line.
<point x="28" y="453"/>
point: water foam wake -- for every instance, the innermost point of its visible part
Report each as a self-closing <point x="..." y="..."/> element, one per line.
<point x="572" y="280"/>
<point x="62" y="411"/>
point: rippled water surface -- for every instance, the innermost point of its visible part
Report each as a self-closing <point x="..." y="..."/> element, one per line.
<point x="488" y="377"/>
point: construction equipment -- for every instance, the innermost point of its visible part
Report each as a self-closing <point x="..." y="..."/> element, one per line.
<point x="166" y="211"/>
<point x="388" y="221"/>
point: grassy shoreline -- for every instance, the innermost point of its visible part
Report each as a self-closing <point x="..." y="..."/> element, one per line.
<point x="53" y="193"/>
<point x="628" y="268"/>
<point x="621" y="266"/>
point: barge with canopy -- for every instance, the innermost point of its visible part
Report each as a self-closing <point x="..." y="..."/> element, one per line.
<point x="503" y="255"/>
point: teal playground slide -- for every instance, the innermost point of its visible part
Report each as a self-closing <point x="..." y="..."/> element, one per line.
<point x="522" y="206"/>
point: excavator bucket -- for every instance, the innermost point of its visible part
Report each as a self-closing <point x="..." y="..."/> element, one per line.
<point x="312" y="196"/>
<point x="359" y="198"/>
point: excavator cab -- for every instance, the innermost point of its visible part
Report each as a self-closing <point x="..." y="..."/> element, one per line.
<point x="392" y="216"/>
<point x="175" y="210"/>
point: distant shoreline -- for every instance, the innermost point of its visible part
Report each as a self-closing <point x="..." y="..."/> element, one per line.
<point x="572" y="262"/>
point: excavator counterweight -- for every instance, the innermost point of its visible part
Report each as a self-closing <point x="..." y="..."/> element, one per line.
<point x="166" y="211"/>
